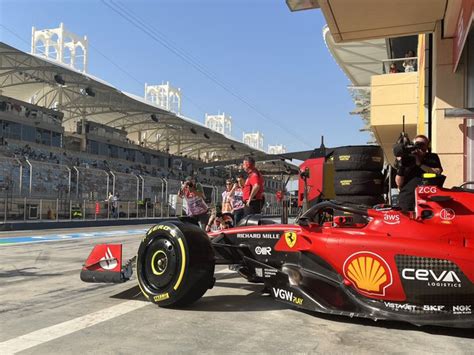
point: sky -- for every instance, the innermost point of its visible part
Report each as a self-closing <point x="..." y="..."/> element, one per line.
<point x="267" y="67"/>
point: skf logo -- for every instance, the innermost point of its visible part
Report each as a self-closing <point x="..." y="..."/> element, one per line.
<point x="286" y="295"/>
<point x="368" y="272"/>
<point x="108" y="262"/>
<point x="290" y="239"/>
<point x="391" y="218"/>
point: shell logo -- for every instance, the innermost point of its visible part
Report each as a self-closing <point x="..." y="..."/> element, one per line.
<point x="368" y="272"/>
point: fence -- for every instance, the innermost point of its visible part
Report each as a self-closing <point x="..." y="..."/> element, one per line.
<point x="34" y="190"/>
<point x="400" y="65"/>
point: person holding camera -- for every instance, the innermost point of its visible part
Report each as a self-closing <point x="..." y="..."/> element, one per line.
<point x="193" y="193"/>
<point x="412" y="163"/>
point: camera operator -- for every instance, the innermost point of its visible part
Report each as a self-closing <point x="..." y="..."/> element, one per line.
<point x="412" y="162"/>
<point x="193" y="193"/>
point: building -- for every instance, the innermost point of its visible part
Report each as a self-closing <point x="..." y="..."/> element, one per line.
<point x="276" y="149"/>
<point x="165" y="96"/>
<point x="221" y="123"/>
<point x="254" y="140"/>
<point x="60" y="45"/>
<point x="435" y="95"/>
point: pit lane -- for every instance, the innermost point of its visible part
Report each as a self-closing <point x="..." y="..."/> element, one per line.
<point x="45" y="308"/>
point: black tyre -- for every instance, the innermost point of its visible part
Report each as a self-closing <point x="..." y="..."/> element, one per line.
<point x="368" y="201"/>
<point x="358" y="183"/>
<point x="175" y="264"/>
<point x="363" y="157"/>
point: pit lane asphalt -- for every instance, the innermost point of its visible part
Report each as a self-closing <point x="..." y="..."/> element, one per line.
<point x="40" y="289"/>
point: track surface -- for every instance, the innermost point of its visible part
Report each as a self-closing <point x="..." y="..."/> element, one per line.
<point x="45" y="308"/>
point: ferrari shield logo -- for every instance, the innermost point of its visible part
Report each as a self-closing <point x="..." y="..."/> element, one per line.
<point x="290" y="239"/>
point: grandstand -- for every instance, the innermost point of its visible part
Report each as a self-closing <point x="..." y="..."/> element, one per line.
<point x="68" y="140"/>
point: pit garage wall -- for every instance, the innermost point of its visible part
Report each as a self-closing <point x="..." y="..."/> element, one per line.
<point x="448" y="92"/>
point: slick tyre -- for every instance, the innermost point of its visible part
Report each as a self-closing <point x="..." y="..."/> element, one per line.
<point x="367" y="157"/>
<point x="175" y="264"/>
<point x="358" y="183"/>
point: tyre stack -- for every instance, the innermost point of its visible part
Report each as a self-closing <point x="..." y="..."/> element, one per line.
<point x="358" y="174"/>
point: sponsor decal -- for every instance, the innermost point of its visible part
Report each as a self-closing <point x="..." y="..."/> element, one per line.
<point x="428" y="308"/>
<point x="434" y="278"/>
<point x="290" y="239"/>
<point x="161" y="297"/>
<point x="427" y="189"/>
<point x="159" y="227"/>
<point x="400" y="306"/>
<point x="108" y="262"/>
<point x="447" y="214"/>
<point x="267" y="273"/>
<point x="258" y="235"/>
<point x="263" y="250"/>
<point x="344" y="157"/>
<point x="462" y="309"/>
<point x="345" y="182"/>
<point x="259" y="271"/>
<point x="391" y="217"/>
<point x="286" y="295"/>
<point x="368" y="272"/>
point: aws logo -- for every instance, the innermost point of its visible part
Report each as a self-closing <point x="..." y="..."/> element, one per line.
<point x="368" y="272"/>
<point x="391" y="218"/>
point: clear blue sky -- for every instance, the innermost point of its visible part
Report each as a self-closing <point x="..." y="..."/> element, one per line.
<point x="274" y="58"/>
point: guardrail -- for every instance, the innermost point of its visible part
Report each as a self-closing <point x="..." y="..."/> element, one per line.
<point x="33" y="209"/>
<point x="400" y="65"/>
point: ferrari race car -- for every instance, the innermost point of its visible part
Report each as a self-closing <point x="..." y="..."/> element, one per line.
<point x="342" y="259"/>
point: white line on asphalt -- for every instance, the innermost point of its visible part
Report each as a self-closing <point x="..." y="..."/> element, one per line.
<point x="44" y="335"/>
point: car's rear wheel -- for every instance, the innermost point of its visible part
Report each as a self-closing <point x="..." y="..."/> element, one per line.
<point x="175" y="264"/>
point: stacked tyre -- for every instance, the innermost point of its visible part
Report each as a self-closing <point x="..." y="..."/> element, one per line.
<point x="358" y="174"/>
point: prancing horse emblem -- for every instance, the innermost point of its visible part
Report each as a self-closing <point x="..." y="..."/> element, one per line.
<point x="290" y="238"/>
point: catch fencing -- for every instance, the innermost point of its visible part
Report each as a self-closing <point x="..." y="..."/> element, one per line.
<point x="34" y="190"/>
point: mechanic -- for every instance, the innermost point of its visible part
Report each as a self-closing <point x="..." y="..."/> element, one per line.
<point x="253" y="188"/>
<point x="410" y="175"/>
<point x="193" y="193"/>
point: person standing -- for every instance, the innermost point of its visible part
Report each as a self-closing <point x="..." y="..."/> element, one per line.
<point x="115" y="205"/>
<point x="253" y="188"/>
<point x="409" y="177"/>
<point x="193" y="193"/>
<point x="237" y="199"/>
<point x="227" y="198"/>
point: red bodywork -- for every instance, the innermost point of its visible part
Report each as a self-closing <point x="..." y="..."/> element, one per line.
<point x="365" y="254"/>
<point x="315" y="180"/>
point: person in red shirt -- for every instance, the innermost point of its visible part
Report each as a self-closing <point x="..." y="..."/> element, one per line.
<point x="253" y="188"/>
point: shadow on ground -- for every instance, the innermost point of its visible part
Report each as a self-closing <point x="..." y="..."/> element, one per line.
<point x="387" y="324"/>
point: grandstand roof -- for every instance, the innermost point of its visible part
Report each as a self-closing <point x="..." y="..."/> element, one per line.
<point x="34" y="79"/>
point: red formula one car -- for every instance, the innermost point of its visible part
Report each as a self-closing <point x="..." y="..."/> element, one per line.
<point x="417" y="268"/>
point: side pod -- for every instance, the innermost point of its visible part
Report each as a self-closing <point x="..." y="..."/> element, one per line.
<point x="104" y="264"/>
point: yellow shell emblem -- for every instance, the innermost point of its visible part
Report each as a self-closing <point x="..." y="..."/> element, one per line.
<point x="368" y="272"/>
<point x="290" y="239"/>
